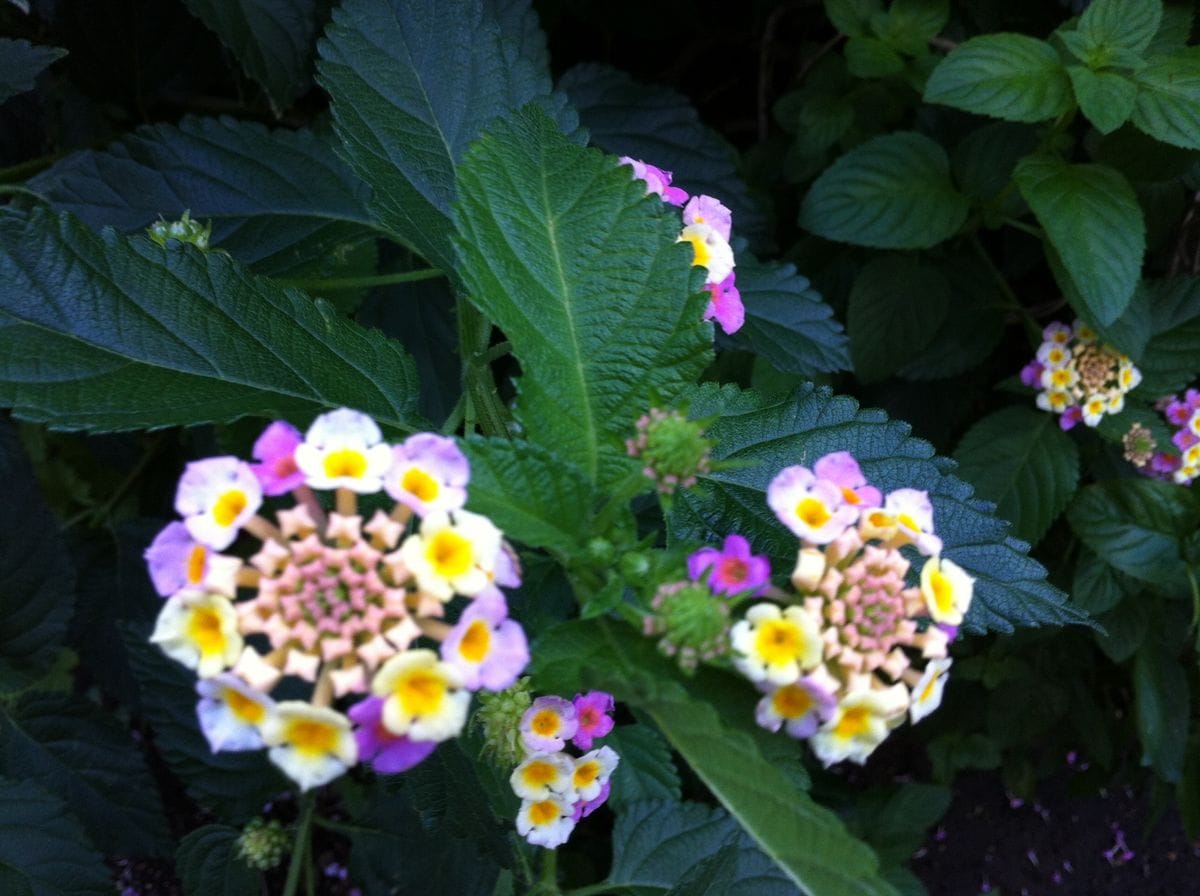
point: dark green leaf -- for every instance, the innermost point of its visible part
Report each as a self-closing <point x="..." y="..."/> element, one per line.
<point x="657" y="125"/>
<point x="852" y="17"/>
<point x="895" y="823"/>
<point x="208" y="865"/>
<point x="43" y="848"/>
<point x="561" y="249"/>
<point x="1106" y="98"/>
<point x="1009" y="76"/>
<point x="910" y="24"/>
<point x="1187" y="795"/>
<point x="526" y="490"/>
<point x="151" y="337"/>
<point x="271" y="39"/>
<point x="20" y="64"/>
<point x="787" y="323"/>
<point x="37" y="583"/>
<point x="1124" y="630"/>
<point x="712" y="876"/>
<point x="1174" y="31"/>
<point x="896" y="306"/>
<point x="520" y="28"/>
<point x="765" y="435"/>
<point x="413" y="83"/>
<point x="984" y="160"/>
<point x="1125" y="24"/>
<point x="869" y="57"/>
<point x="646" y="771"/>
<point x="1136" y="526"/>
<point x="1172" y="356"/>
<point x="892" y="192"/>
<point x="72" y="748"/>
<point x="1092" y="218"/>
<point x="951" y="753"/>
<point x="1161" y="688"/>
<point x="1023" y="461"/>
<point x="1168" y="100"/>
<point x="1097" y="587"/>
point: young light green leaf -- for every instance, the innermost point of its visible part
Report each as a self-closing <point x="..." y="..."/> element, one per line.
<point x="20" y="64"/>
<point x="207" y="864"/>
<point x="563" y="251"/>
<point x="892" y="192"/>
<point x="1106" y="98"/>
<point x="853" y="17"/>
<point x="1023" y="461"/>
<point x="1092" y="217"/>
<point x="1163" y="708"/>
<point x="1136" y="526"/>
<point x="37" y="582"/>
<point x="787" y="323"/>
<point x="1120" y="24"/>
<point x="646" y="771"/>
<point x="413" y="83"/>
<point x="805" y="840"/>
<point x="765" y="435"/>
<point x="896" y="306"/>
<point x="1168" y="100"/>
<point x="524" y="488"/>
<point x="271" y="39"/>
<point x="1009" y="76"/>
<point x="160" y="337"/>
<point x="42" y="847"/>
<point x="84" y="755"/>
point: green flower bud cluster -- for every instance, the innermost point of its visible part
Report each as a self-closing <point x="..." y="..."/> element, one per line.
<point x="693" y="623"/>
<point x="185" y="230"/>
<point x="672" y="447"/>
<point x="263" y="844"/>
<point x="499" y="717"/>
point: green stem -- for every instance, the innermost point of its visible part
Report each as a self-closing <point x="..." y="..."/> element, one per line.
<point x="340" y="283"/>
<point x="1010" y="297"/>
<point x="1034" y="232"/>
<point x="300" y="850"/>
<point x="28" y="169"/>
<point x="623" y="492"/>
<point x="1195" y="602"/>
<point x="483" y="404"/>
<point x="13" y="190"/>
<point x="98" y="513"/>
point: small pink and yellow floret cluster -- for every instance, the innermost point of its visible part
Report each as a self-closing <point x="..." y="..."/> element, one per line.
<point x="857" y="646"/>
<point x="557" y="788"/>
<point x="333" y="597"/>
<point x="1077" y="377"/>
<point x="1178" y="462"/>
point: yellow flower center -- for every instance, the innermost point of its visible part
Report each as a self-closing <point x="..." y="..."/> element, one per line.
<point x="813" y="512"/>
<point x="543" y="812"/>
<point x="204" y="628"/>
<point x="421" y="692"/>
<point x="927" y="693"/>
<point x="311" y="737"/>
<point x="545" y="723"/>
<point x="908" y="522"/>
<point x="779" y="641"/>
<point x="791" y="702"/>
<point x="195" y="564"/>
<point x="586" y="773"/>
<point x="881" y="520"/>
<point x="702" y="255"/>
<point x="476" y="641"/>
<point x="850" y="496"/>
<point x="853" y="723"/>
<point x="249" y="711"/>
<point x="420" y="485"/>
<point x="345" y="463"/>
<point x="229" y="506"/>
<point x="943" y="592"/>
<point x="539" y="774"/>
<point x="449" y="554"/>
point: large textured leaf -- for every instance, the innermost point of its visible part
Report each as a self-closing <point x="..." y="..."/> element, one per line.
<point x="1009" y="76"/>
<point x="647" y="771"/>
<point x="764" y="436"/>
<point x="42" y="849"/>
<point x="20" y="63"/>
<point x="805" y="840"/>
<point x="37" y="583"/>
<point x="892" y="192"/>
<point x="84" y="755"/>
<point x="271" y="39"/>
<point x="102" y="332"/>
<point x="1023" y="461"/>
<point x="657" y="125"/>
<point x="1092" y="218"/>
<point x="525" y="489"/>
<point x="1160" y="684"/>
<point x="1168" y="101"/>
<point x="897" y="305"/>
<point x="208" y="865"/>
<point x="654" y="842"/>
<point x="413" y="83"/>
<point x="1172" y="356"/>
<point x="787" y="323"/>
<point x="1136" y="526"/>
<point x="561" y="249"/>
<point x="1128" y="24"/>
<point x="275" y="198"/>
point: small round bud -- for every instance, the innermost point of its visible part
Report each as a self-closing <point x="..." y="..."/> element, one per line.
<point x="185" y="230"/>
<point x="263" y="844"/>
<point x="692" y="621"/>
<point x="601" y="551"/>
<point x="499" y="717"/>
<point x="672" y="448"/>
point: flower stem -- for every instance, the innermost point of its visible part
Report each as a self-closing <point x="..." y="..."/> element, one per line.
<point x="340" y="283"/>
<point x="300" y="850"/>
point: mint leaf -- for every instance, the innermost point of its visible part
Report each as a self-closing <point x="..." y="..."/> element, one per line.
<point x="1009" y="76"/>
<point x="1023" y="461"/>
<point x="896" y="306"/>
<point x="563" y="251"/>
<point x="1092" y="218"/>
<point x="892" y="192"/>
<point x="1120" y="24"/>
<point x="853" y="17"/>
<point x="20" y="64"/>
<point x="1168" y="100"/>
<point x="765" y="435"/>
<point x="1106" y="98"/>
<point x="146" y="337"/>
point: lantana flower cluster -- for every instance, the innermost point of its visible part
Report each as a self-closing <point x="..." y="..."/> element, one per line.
<point x="707" y="225"/>
<point x="1077" y="377"/>
<point x="856" y="647"/>
<point x="1181" y="462"/>
<point x="343" y="601"/>
<point x="557" y="788"/>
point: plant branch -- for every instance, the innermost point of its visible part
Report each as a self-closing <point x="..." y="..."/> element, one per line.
<point x="300" y="849"/>
<point x="340" y="283"/>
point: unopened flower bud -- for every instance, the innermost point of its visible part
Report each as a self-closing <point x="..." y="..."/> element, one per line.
<point x="810" y="569"/>
<point x="499" y="717"/>
<point x="672" y="448"/>
<point x="263" y="844"/>
<point x="693" y="622"/>
<point x="185" y="230"/>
